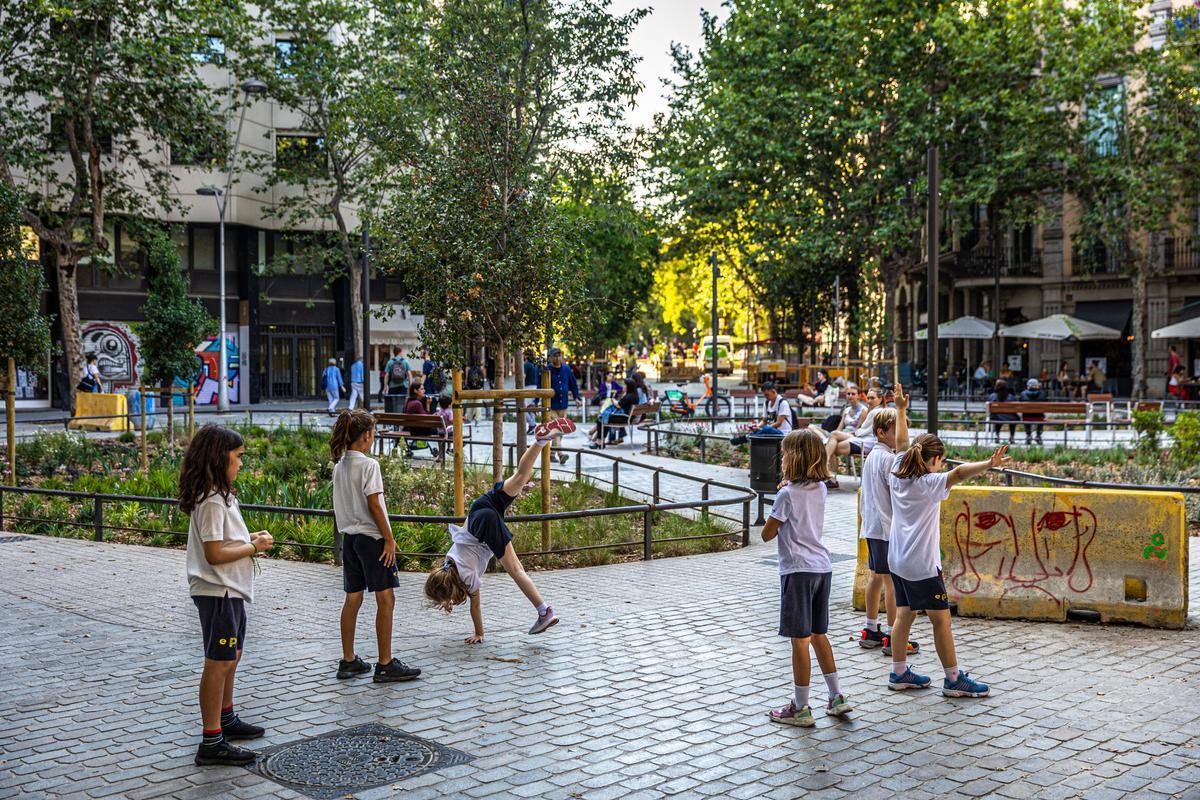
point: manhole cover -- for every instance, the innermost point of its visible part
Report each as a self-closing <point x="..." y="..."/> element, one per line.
<point x="11" y="539"/>
<point x="342" y="762"/>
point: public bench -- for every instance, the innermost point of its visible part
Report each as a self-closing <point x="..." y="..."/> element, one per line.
<point x="620" y="421"/>
<point x="428" y="428"/>
<point x="1079" y="412"/>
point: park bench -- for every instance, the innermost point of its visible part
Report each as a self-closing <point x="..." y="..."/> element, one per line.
<point x="1045" y="408"/>
<point x="745" y="396"/>
<point x="620" y="421"/>
<point x="393" y="428"/>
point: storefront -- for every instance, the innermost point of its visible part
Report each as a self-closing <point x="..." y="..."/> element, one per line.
<point x="291" y="359"/>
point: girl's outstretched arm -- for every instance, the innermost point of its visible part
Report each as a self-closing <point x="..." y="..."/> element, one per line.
<point x="476" y="620"/>
<point x="965" y="472"/>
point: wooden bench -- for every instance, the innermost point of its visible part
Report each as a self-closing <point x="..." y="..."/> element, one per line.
<point x="620" y="421"/>
<point x="1044" y="408"/>
<point x="394" y="428"/>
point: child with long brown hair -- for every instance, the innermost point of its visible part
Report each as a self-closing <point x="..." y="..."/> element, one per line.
<point x="368" y="547"/>
<point x="918" y="487"/>
<point x="805" y="573"/>
<point x="459" y="577"/>
<point x="220" y="572"/>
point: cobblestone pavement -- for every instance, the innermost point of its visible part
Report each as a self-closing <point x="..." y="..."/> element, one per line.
<point x="656" y="684"/>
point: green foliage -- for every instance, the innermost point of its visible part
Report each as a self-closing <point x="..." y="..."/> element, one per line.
<point x="1185" y="433"/>
<point x="1149" y="426"/>
<point x="174" y="323"/>
<point x="24" y="331"/>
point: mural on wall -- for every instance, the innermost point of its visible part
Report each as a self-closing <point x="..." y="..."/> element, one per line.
<point x="118" y="356"/>
<point x="116" y="349"/>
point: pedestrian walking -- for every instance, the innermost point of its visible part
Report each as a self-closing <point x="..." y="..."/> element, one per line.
<point x="331" y="382"/>
<point x="357" y="374"/>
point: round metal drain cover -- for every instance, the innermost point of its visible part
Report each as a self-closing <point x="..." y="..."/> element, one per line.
<point x="338" y="763"/>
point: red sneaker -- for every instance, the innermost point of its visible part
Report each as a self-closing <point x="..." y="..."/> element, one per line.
<point x="559" y="426"/>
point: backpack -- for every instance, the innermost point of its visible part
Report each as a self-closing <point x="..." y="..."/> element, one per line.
<point x="437" y="380"/>
<point x="324" y="381"/>
<point x="398" y="374"/>
<point x="791" y="411"/>
<point x="474" y="377"/>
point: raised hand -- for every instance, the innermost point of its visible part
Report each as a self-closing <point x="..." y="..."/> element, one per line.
<point x="1001" y="457"/>
<point x="900" y="398"/>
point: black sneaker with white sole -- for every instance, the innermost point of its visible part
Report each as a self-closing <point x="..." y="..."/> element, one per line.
<point x="395" y="671"/>
<point x="225" y="754"/>
<point x="349" y="669"/>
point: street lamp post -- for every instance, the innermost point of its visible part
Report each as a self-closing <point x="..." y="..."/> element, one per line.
<point x="221" y="196"/>
<point x="931" y="302"/>
<point x="716" y="273"/>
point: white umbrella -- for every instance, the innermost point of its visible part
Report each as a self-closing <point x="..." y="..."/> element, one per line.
<point x="967" y="327"/>
<point x="1188" y="329"/>
<point x="1059" y="327"/>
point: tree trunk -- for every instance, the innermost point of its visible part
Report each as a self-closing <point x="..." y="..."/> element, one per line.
<point x="170" y="401"/>
<point x="1138" y="345"/>
<point x="68" y="313"/>
<point x="10" y="419"/>
<point x="356" y="310"/>
<point x="498" y="417"/>
<point x="519" y="383"/>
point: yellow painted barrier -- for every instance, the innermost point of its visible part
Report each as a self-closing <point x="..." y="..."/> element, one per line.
<point x="1016" y="553"/>
<point x="113" y="407"/>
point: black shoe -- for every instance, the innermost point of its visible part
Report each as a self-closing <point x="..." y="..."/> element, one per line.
<point x="240" y="729"/>
<point x="870" y="639"/>
<point x="348" y="669"/>
<point x="394" y="671"/>
<point x="225" y="754"/>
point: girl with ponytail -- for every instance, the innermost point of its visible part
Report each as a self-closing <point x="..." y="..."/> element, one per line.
<point x="918" y="487"/>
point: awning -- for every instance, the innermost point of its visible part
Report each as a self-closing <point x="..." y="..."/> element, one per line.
<point x="1060" y="328"/>
<point x="402" y="328"/>
<point x="967" y="327"/>
<point x="1188" y="329"/>
<point x="1109" y="313"/>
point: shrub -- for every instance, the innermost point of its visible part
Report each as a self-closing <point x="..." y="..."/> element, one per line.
<point x="1185" y="451"/>
<point x="1149" y="425"/>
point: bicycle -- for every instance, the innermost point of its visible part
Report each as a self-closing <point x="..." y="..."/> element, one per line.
<point x="713" y="405"/>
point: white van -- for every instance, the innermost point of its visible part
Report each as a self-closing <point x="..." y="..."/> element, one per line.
<point x="724" y="355"/>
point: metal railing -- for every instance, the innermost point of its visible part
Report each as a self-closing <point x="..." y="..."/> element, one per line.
<point x="706" y="505"/>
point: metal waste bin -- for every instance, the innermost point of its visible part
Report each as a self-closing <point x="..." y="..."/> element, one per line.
<point x="394" y="403"/>
<point x="765" y="456"/>
<point x="135" y="413"/>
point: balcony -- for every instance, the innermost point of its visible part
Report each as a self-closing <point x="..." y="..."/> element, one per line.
<point x="1098" y="259"/>
<point x="1181" y="254"/>
<point x="984" y="262"/>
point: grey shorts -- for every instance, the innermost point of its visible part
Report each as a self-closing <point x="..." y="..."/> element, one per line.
<point x="804" y="603"/>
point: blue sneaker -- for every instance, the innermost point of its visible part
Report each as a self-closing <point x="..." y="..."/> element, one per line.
<point x="964" y="687"/>
<point x="909" y="680"/>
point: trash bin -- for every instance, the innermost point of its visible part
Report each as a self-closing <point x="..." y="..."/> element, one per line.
<point x="765" y="458"/>
<point x="394" y="403"/>
<point x="135" y="411"/>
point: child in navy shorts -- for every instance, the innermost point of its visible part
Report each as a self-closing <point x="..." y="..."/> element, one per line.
<point x="918" y="487"/>
<point x="220" y="572"/>
<point x="805" y="573"/>
<point x="460" y="575"/>
<point x="368" y="548"/>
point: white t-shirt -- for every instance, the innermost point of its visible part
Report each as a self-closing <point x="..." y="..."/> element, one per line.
<point x="875" y="496"/>
<point x="850" y="417"/>
<point x="801" y="509"/>
<point x="867" y="430"/>
<point x="915" y="550"/>
<point x="470" y="556"/>
<point x="779" y="408"/>
<point x="356" y="476"/>
<point x="214" y="521"/>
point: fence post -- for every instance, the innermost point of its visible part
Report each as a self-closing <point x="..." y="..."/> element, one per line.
<point x="1" y="509"/>
<point x="702" y="461"/>
<point x="656" y="451"/>
<point x="655" y="494"/>
<point x="578" y="466"/>
<point x="616" y="479"/>
<point x="337" y="547"/>
<point x="746" y="523"/>
<point x="98" y="516"/>
<point x="647" y="550"/>
<point x="1008" y="480"/>
<point x="704" y="496"/>
<point x="760" y="520"/>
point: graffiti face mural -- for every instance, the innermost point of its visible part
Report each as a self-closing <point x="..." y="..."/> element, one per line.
<point x="116" y="351"/>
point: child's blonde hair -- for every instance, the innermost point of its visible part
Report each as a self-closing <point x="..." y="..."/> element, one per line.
<point x="924" y="449"/>
<point x="351" y="424"/>
<point x="443" y="588"/>
<point x="803" y="457"/>
<point x="885" y="420"/>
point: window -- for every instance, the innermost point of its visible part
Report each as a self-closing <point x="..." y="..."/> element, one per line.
<point x="203" y="148"/>
<point x="179" y="237"/>
<point x="300" y="155"/>
<point x="1105" y="117"/>
<point x="211" y="51"/>
<point x="285" y="53"/>
<point x="204" y="248"/>
<point x="58" y="135"/>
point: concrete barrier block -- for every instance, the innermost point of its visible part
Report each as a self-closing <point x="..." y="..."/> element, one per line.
<point x="113" y="407"/>
<point x="1048" y="554"/>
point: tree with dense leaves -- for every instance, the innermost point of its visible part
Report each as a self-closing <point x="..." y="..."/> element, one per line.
<point x="94" y="94"/>
<point x="24" y="330"/>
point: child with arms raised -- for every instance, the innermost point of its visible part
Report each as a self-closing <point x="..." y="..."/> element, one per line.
<point x="805" y="573"/>
<point x="459" y="577"/>
<point x="914" y="558"/>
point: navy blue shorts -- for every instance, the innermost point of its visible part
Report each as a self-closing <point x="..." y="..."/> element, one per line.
<point x="361" y="568"/>
<point x="222" y="624"/>
<point x="485" y="519"/>
<point x="928" y="594"/>
<point x="877" y="553"/>
<point x="804" y="604"/>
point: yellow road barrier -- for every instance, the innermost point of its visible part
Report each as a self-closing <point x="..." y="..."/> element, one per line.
<point x="1016" y="553"/>
<point x="113" y="407"/>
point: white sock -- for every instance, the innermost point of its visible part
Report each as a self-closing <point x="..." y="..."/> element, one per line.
<point x="872" y="624"/>
<point x="801" y="697"/>
<point x="542" y="608"/>
<point x="899" y="667"/>
<point x="831" y="680"/>
<point x="951" y="674"/>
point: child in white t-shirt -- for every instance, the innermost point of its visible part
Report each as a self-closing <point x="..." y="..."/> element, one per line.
<point x="890" y="428"/>
<point x="805" y="573"/>
<point x="460" y="575"/>
<point x="368" y="547"/>
<point x="918" y="487"/>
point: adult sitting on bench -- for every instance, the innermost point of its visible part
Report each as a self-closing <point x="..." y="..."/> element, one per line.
<point x="417" y="405"/>
<point x="855" y="434"/>
<point x="776" y="422"/>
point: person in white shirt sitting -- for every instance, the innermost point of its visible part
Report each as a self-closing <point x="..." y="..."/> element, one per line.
<point x="776" y="422"/>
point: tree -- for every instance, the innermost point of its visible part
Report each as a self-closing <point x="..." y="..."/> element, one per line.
<point x="94" y="94"/>
<point x="343" y="75"/>
<point x="174" y="323"/>
<point x="513" y="92"/>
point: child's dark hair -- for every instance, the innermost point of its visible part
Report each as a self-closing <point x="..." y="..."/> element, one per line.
<point x="351" y="424"/>
<point x="444" y="401"/>
<point x="205" y="467"/>
<point x="925" y="448"/>
<point x="444" y="589"/>
<point x="804" y="459"/>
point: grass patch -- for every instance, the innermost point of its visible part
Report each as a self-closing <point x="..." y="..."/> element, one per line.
<point x="290" y="467"/>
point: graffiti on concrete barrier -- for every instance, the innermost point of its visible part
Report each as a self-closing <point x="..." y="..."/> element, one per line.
<point x="1046" y="552"/>
<point x="1156" y="548"/>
